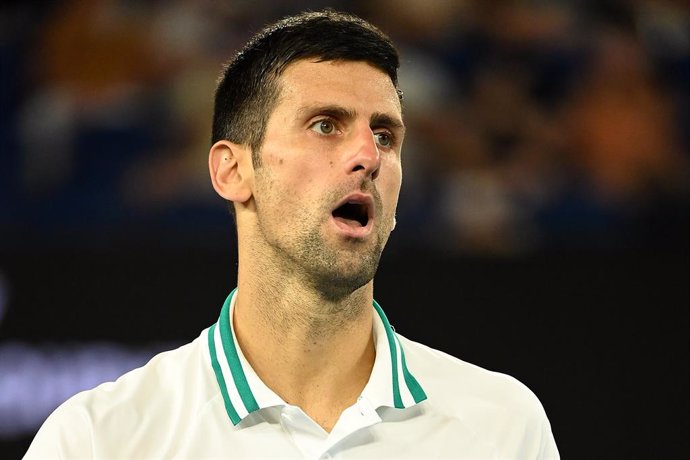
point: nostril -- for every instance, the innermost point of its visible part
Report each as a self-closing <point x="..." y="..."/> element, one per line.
<point x="374" y="171"/>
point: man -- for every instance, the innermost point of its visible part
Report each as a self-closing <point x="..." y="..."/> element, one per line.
<point x="302" y="363"/>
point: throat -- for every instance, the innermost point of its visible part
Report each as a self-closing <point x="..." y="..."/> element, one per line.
<point x="325" y="391"/>
<point x="317" y="359"/>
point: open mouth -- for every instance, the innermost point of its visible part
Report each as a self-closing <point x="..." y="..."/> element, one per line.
<point x="354" y="213"/>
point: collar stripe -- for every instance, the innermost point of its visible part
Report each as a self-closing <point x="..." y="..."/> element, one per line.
<point x="397" y="399"/>
<point x="233" y="393"/>
<point x="229" y="408"/>
<point x="237" y="395"/>
<point x="233" y="359"/>
<point x="405" y="395"/>
<point x="413" y="385"/>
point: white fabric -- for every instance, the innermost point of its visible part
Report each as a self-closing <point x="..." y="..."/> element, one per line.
<point x="172" y="408"/>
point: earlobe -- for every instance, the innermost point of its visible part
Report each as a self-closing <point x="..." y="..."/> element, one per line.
<point x="231" y="169"/>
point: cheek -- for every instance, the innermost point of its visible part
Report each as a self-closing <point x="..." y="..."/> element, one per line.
<point x="392" y="181"/>
<point x="291" y="189"/>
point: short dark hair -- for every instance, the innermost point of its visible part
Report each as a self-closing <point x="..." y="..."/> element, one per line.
<point x="248" y="89"/>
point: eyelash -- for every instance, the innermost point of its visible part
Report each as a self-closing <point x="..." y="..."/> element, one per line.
<point x="391" y="138"/>
<point x="334" y="123"/>
<point x="322" y="120"/>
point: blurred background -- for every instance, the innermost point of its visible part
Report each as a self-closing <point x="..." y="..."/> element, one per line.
<point x="542" y="227"/>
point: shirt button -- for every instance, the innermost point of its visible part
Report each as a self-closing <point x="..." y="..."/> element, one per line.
<point x="326" y="456"/>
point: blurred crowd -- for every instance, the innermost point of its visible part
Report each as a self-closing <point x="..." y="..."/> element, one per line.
<point x="532" y="125"/>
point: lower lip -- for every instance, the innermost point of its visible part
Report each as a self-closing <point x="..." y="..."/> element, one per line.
<point x="352" y="231"/>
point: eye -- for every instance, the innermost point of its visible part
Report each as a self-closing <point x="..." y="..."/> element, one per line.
<point x="323" y="127"/>
<point x="384" y="139"/>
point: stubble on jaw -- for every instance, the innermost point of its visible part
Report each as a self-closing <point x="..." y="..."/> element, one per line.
<point x="336" y="274"/>
<point x="305" y="257"/>
<point x="334" y="270"/>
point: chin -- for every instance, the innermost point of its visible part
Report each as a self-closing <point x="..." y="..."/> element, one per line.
<point x="342" y="279"/>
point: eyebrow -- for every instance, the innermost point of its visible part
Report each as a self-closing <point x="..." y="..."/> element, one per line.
<point x="385" y="120"/>
<point x="377" y="119"/>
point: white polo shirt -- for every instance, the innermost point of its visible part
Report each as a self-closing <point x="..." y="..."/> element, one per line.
<point x="204" y="400"/>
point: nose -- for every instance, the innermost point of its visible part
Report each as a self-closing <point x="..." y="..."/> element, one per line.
<point x="365" y="154"/>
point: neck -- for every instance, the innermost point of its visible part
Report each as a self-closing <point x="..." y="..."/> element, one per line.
<point x="314" y="352"/>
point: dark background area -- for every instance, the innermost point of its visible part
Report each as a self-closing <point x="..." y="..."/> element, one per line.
<point x="602" y="340"/>
<point x="542" y="228"/>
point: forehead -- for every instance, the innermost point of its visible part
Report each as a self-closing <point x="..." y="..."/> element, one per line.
<point x="349" y="83"/>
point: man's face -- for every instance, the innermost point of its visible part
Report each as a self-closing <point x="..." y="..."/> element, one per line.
<point x="328" y="187"/>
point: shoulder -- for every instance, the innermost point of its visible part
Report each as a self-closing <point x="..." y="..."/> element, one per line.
<point x="500" y="408"/>
<point x="162" y="378"/>
<point x="457" y="379"/>
<point x="142" y="400"/>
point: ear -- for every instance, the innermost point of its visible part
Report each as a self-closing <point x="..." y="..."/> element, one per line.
<point x="231" y="170"/>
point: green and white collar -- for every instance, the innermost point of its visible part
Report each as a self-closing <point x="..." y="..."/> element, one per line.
<point x="391" y="384"/>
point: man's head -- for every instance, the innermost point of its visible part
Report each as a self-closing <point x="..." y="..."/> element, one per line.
<point x="309" y="151"/>
<point x="249" y="88"/>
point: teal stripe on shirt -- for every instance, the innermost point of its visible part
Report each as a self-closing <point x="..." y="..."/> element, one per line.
<point x="397" y="399"/>
<point x="415" y="388"/>
<point x="229" y="408"/>
<point x="233" y="359"/>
